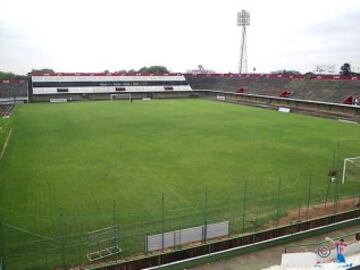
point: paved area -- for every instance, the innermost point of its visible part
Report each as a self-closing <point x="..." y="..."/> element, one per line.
<point x="268" y="257"/>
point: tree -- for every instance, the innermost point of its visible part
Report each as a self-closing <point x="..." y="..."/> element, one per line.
<point x="154" y="70"/>
<point x="42" y="70"/>
<point x="7" y="75"/>
<point x="345" y="69"/>
<point x="286" y="72"/>
<point x="11" y="76"/>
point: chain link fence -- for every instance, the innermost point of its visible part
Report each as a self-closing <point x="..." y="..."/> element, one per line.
<point x="56" y="242"/>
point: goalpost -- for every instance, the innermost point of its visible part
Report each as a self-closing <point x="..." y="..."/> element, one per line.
<point x="103" y="243"/>
<point x="351" y="169"/>
<point x="125" y="96"/>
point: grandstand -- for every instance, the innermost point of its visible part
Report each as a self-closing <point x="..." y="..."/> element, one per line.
<point x="13" y="91"/>
<point x="83" y="86"/>
<point x="5" y="109"/>
<point x="326" y="88"/>
<point x="79" y="86"/>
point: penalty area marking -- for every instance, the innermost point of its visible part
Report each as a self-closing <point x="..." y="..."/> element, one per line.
<point x="31" y="233"/>
<point x="5" y="144"/>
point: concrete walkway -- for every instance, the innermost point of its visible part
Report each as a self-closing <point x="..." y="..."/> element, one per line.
<point x="267" y="257"/>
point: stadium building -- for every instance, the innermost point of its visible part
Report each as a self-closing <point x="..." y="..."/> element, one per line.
<point x="79" y="86"/>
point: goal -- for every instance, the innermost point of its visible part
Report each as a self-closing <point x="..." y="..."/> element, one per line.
<point x="103" y="243"/>
<point x="121" y="97"/>
<point x="351" y="169"/>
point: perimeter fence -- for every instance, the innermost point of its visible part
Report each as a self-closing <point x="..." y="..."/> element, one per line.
<point x="66" y="239"/>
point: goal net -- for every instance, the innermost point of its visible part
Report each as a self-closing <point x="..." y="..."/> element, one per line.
<point x="103" y="243"/>
<point x="121" y="97"/>
<point x="351" y="170"/>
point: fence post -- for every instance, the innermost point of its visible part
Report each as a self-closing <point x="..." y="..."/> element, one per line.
<point x="336" y="195"/>
<point x="334" y="166"/>
<point x="146" y="243"/>
<point x="2" y="246"/>
<point x="62" y="239"/>
<point x="162" y="222"/>
<point x="278" y="203"/>
<point x="309" y="198"/>
<point x="79" y="252"/>
<point x="327" y="193"/>
<point x="256" y="219"/>
<point x="244" y="206"/>
<point x="46" y="260"/>
<point x="116" y="228"/>
<point x="205" y="214"/>
<point x="174" y="239"/>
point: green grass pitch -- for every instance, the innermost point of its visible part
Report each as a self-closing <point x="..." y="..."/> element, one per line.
<point x="82" y="158"/>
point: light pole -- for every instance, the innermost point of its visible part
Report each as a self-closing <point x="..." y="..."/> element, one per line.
<point x="243" y="20"/>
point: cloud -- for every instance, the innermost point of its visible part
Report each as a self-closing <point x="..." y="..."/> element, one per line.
<point x="346" y="24"/>
<point x="93" y="36"/>
<point x="337" y="38"/>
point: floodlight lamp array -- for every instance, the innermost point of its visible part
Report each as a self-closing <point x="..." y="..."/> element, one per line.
<point x="243" y="18"/>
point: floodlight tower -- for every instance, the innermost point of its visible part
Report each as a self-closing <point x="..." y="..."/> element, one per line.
<point x="243" y="20"/>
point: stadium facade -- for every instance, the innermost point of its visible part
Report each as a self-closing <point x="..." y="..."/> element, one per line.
<point x="58" y="84"/>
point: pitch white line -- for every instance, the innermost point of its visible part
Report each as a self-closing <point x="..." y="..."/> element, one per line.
<point x="5" y="145"/>
<point x="31" y="233"/>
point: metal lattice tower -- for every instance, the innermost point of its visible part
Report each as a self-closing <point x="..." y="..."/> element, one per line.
<point x="243" y="20"/>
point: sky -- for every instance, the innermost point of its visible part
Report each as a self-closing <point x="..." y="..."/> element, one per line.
<point x="93" y="36"/>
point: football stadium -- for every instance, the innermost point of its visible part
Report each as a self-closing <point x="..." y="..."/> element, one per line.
<point x="162" y="168"/>
<point x="108" y="171"/>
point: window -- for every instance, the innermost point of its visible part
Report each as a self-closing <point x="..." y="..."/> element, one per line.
<point x="168" y="88"/>
<point x="64" y="85"/>
<point x="62" y="90"/>
<point x="118" y="89"/>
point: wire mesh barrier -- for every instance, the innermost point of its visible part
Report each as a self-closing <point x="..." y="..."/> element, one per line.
<point x="71" y="239"/>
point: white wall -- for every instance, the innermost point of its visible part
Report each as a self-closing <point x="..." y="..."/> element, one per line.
<point x="60" y="78"/>
<point x="106" y="89"/>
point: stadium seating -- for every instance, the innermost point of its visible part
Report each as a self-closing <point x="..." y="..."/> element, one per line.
<point x="5" y="109"/>
<point x="285" y="94"/>
<point x="348" y="100"/>
<point x="13" y="88"/>
<point x="320" y="88"/>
